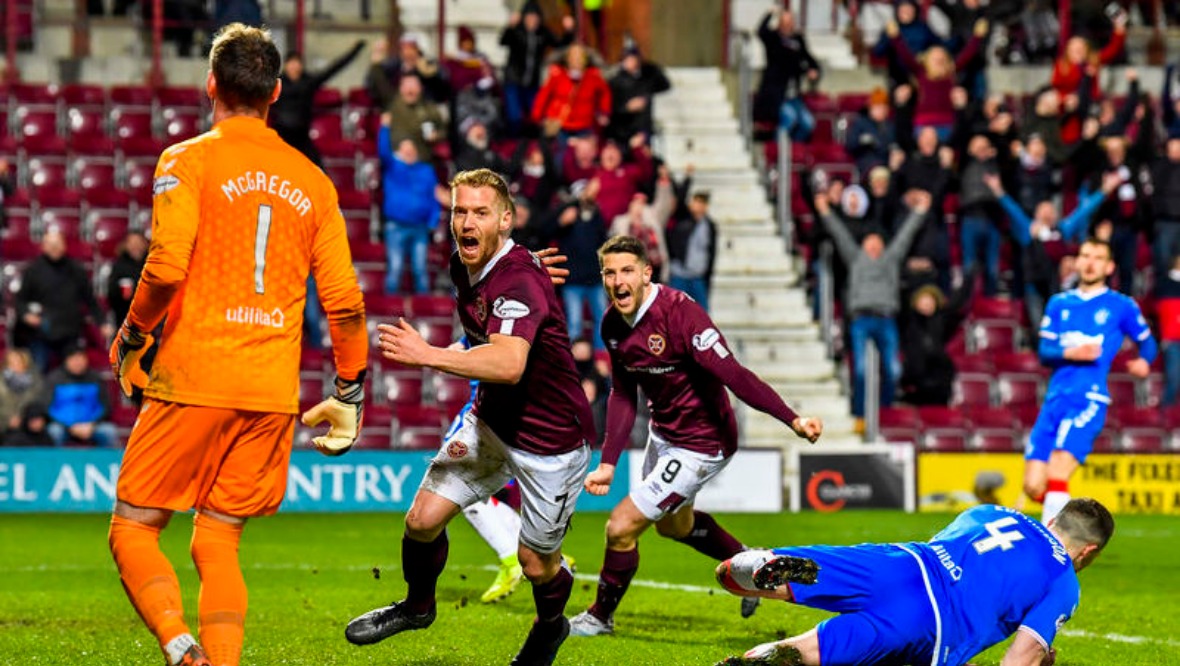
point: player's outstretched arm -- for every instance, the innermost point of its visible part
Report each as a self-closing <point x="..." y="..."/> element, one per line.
<point x="1026" y="650"/>
<point x="501" y="361"/>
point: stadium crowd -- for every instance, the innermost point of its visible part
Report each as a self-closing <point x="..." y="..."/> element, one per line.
<point x="1014" y="184"/>
<point x="572" y="135"/>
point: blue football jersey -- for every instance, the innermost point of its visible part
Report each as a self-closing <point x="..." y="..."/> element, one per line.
<point x="993" y="571"/>
<point x="1103" y="318"/>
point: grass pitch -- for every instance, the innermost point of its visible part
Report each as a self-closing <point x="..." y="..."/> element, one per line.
<point x="61" y="601"/>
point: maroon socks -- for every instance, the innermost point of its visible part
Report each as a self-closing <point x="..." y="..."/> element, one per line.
<point x="618" y="569"/>
<point x="551" y="597"/>
<point x="422" y="564"/>
<point x="709" y="538"/>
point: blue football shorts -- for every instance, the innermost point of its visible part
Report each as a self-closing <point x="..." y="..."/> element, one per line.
<point x="885" y="608"/>
<point x="1067" y="425"/>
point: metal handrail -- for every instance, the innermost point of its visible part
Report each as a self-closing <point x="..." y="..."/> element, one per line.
<point x="826" y="288"/>
<point x="872" y="391"/>
<point x="739" y="49"/>
<point x="786" y="225"/>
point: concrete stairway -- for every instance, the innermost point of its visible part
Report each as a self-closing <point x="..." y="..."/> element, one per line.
<point x="756" y="299"/>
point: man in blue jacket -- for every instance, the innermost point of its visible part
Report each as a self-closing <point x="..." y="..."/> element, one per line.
<point x="79" y="403"/>
<point x="410" y="208"/>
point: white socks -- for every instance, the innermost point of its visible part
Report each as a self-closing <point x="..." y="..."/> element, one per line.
<point x="497" y="523"/>
<point x="176" y="647"/>
<point x="1055" y="501"/>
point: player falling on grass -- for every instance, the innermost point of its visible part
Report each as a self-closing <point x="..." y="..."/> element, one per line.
<point x="239" y="219"/>
<point x="661" y="341"/>
<point x="531" y="420"/>
<point x="991" y="573"/>
<point x="1081" y="332"/>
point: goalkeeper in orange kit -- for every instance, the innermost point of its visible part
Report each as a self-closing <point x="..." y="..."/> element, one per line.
<point x="239" y="220"/>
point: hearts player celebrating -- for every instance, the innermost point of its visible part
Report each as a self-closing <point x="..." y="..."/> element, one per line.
<point x="660" y="340"/>
<point x="239" y="219"/>
<point x="531" y="420"/>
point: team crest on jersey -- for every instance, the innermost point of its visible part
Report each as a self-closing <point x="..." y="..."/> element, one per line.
<point x="1101" y="316"/>
<point x="456" y="449"/>
<point x="656" y="343"/>
<point x="481" y="308"/>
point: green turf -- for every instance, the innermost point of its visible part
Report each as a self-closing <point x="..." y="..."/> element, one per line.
<point x="61" y="602"/>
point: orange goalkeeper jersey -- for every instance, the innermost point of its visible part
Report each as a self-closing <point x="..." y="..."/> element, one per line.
<point x="239" y="218"/>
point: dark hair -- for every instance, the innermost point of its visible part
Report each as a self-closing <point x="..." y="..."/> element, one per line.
<point x="1085" y="520"/>
<point x="245" y="63"/>
<point x="701" y="195"/>
<point x="623" y="245"/>
<point x="293" y="55"/>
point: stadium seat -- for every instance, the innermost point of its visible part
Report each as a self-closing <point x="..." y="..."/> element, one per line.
<point x="328" y="98"/>
<point x="418" y="439"/>
<point x="983" y="307"/>
<point x="367" y="252"/>
<point x="46" y="172"/>
<point x="400" y="388"/>
<point x="993" y="429"/>
<point x="129" y="123"/>
<point x="943" y="429"/>
<point x="419" y="427"/>
<point x="899" y="424"/>
<point x="437" y="331"/>
<point x="1021" y="362"/>
<point x="378" y="415"/>
<point x="180" y="97"/>
<point x="449" y="390"/>
<point x="432" y="306"/>
<point x="181" y="124"/>
<point x="373" y="439"/>
<point x="67" y="223"/>
<point x="980" y="364"/>
<point x="1020" y="389"/>
<point x="1124" y="389"/>
<point x="993" y="335"/>
<point x="34" y="121"/>
<point x="358" y="228"/>
<point x="327" y="127"/>
<point x="972" y="389"/>
<point x="107" y="232"/>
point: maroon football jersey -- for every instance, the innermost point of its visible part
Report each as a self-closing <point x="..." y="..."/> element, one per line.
<point x="689" y="405"/>
<point x="546" y="412"/>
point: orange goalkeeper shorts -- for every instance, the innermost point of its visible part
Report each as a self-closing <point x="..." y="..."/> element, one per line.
<point x="225" y="460"/>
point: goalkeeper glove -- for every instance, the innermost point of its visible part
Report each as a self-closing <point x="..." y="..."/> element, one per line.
<point x="343" y="411"/>
<point x="126" y="351"/>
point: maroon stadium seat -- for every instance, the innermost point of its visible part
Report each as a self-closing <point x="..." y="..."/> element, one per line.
<point x="367" y="252"/>
<point x="432" y="306"/>
<point x="46" y="171"/>
<point x="400" y="388"/>
<point x="328" y="98"/>
<point x="972" y="389"/>
<point x="438" y="331"/>
<point x="131" y="95"/>
<point x="1020" y="389"/>
<point x="180" y="97"/>
<point x="993" y="429"/>
<point x="129" y="123"/>
<point x="984" y="307"/>
<point x="67" y="223"/>
<point x="358" y="229"/>
<point x="1023" y="362"/>
<point x="450" y="390"/>
<point x="107" y="231"/>
<point x="419" y="427"/>
<point x="943" y="429"/>
<point x="1124" y="389"/>
<point x="378" y="415"/>
<point x="181" y="124"/>
<point x="373" y="439"/>
<point x="327" y="127"/>
<point x="975" y="364"/>
<point x="994" y="335"/>
<point x="900" y="424"/>
<point x="418" y="439"/>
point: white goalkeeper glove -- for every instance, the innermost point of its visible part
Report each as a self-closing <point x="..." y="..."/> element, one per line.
<point x="343" y="411"/>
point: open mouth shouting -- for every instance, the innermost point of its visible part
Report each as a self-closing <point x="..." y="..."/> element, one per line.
<point x="469" y="246"/>
<point x="623" y="297"/>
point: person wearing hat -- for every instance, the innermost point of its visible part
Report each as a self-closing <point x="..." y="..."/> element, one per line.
<point x="788" y="63"/>
<point x="79" y="402"/>
<point x="871" y="136"/>
<point x="633" y="87"/>
<point x="527" y="40"/>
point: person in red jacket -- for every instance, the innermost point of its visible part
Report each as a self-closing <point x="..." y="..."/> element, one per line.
<point x="575" y="99"/>
<point x="1079" y="60"/>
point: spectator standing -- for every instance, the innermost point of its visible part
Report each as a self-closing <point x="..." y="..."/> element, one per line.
<point x="963" y="15"/>
<point x="873" y="293"/>
<point x="1165" y="204"/>
<point x="632" y="89"/>
<point x="79" y="402"/>
<point x="936" y="77"/>
<point x="1079" y="61"/>
<point x="980" y="233"/>
<point x="579" y="229"/>
<point x="1035" y="177"/>
<point x="646" y="223"/>
<point x="292" y="112"/>
<point x="415" y="118"/>
<point x="54" y="302"/>
<point x="692" y="248"/>
<point x="1045" y="242"/>
<point x="1169" y="105"/>
<point x="474" y="89"/>
<point x="871" y="136"/>
<point x="124" y="276"/>
<point x="1124" y="209"/>
<point x="527" y="40"/>
<point x="779" y="99"/>
<point x="7" y="185"/>
<point x="575" y="99"/>
<point x="917" y="36"/>
<point x="928" y="371"/>
<point x="1168" y="310"/>
<point x="386" y="72"/>
<point x="619" y="181"/>
<point x="410" y="209"/>
<point x="534" y="174"/>
<point x="475" y="151"/>
<point x="20" y="385"/>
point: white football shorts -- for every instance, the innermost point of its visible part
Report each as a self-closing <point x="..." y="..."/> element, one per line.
<point x="474" y="463"/>
<point x="672" y="477"/>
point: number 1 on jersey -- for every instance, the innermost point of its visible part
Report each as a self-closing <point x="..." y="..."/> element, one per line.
<point x="261" y="237"/>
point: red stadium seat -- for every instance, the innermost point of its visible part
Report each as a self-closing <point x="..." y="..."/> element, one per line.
<point x="1024" y="362"/>
<point x="993" y="429"/>
<point x="180" y="97"/>
<point x="328" y="98"/>
<point x="899" y="424"/>
<point x="131" y="95"/>
<point x="418" y="439"/>
<point x="419" y="427"/>
<point x="327" y="127"/>
<point x="373" y="439"/>
<point x="993" y="335"/>
<point x="1124" y="389"/>
<point x="358" y="229"/>
<point x="35" y="121"/>
<point x="975" y="364"/>
<point x="972" y="389"/>
<point x="367" y="252"/>
<point x="141" y="146"/>
<point x="378" y="415"/>
<point x="943" y="429"/>
<point x="69" y="224"/>
<point x="355" y="200"/>
<point x="432" y="306"/>
<point x="400" y="388"/>
<point x="1144" y="440"/>
<point x="46" y="172"/>
<point x="137" y="173"/>
<point x="437" y="331"/>
<point x="1020" y="389"/>
<point x="450" y="390"/>
<point x="984" y="307"/>
<point x="181" y="124"/>
<point x="108" y="231"/>
<point x="86" y="121"/>
<point x="128" y="123"/>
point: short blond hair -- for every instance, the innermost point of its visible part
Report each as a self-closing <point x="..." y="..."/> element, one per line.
<point x="486" y="178"/>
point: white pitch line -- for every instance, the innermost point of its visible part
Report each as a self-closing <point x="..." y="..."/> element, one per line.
<point x="1120" y="638"/>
